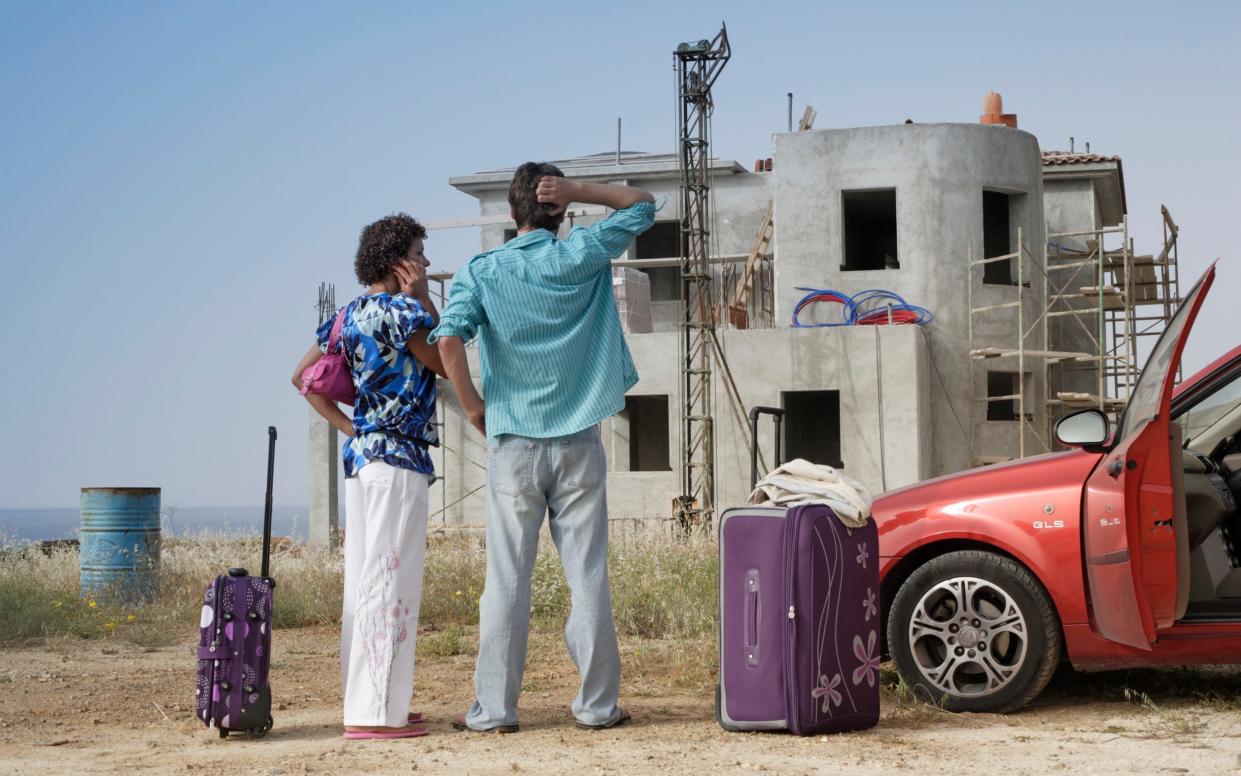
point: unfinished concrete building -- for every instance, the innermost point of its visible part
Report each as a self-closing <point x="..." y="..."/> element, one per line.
<point x="955" y="218"/>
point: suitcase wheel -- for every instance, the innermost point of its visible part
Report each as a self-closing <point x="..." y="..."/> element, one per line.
<point x="259" y="732"/>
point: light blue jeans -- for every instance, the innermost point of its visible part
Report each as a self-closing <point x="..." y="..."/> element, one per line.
<point x="563" y="478"/>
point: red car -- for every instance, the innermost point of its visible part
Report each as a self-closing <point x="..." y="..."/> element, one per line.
<point x="1123" y="552"/>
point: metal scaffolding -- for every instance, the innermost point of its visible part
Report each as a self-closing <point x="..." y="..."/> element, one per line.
<point x="1018" y="351"/>
<point x="698" y="64"/>
<point x="1098" y="301"/>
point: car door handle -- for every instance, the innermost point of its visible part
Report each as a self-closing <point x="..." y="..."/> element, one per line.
<point x="1115" y="468"/>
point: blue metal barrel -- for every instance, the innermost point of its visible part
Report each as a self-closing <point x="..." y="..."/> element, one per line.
<point x="120" y="542"/>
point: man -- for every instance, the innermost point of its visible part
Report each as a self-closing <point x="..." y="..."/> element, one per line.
<point x="554" y="364"/>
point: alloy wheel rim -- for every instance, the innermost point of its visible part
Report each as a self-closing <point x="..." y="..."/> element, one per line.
<point x="968" y="637"/>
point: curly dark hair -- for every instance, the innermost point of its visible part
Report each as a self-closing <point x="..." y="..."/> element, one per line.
<point x="527" y="210"/>
<point x="383" y="244"/>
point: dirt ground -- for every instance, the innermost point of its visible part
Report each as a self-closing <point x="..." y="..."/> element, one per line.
<point x="75" y="707"/>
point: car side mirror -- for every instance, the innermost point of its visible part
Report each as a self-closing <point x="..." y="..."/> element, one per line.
<point x="1087" y="429"/>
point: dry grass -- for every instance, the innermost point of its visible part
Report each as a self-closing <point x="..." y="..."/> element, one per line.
<point x="662" y="589"/>
<point x="1154" y="690"/>
<point x="40" y="592"/>
<point x="901" y="702"/>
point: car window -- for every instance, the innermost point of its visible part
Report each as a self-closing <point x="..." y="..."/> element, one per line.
<point x="1145" y="400"/>
<point x="1210" y="419"/>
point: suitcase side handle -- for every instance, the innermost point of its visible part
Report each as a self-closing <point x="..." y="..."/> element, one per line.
<point x="777" y="415"/>
<point x="752" y="621"/>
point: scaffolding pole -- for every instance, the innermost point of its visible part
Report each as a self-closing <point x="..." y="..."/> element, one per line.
<point x="698" y="64"/>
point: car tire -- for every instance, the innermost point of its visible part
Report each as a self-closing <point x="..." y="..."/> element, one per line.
<point x="939" y="639"/>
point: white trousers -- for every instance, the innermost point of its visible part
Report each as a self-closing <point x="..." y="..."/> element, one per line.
<point x="385" y="549"/>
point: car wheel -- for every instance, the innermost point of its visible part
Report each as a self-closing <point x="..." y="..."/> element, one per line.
<point x="974" y="631"/>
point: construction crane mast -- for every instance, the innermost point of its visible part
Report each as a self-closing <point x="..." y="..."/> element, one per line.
<point x="698" y="64"/>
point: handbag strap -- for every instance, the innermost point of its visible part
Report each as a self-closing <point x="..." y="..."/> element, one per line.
<point x="334" y="338"/>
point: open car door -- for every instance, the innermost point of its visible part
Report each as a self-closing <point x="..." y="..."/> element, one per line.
<point x="1127" y="523"/>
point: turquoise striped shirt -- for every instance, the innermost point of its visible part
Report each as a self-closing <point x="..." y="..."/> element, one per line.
<point x="554" y="358"/>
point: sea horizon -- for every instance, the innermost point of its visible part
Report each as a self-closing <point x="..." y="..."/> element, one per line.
<point x="19" y="525"/>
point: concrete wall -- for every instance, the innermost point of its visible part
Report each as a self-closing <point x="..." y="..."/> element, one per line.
<point x="939" y="172"/>
<point x="1072" y="205"/>
<point x="882" y="375"/>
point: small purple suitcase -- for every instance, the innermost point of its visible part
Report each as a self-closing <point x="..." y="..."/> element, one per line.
<point x="799" y="618"/>
<point x="234" y="644"/>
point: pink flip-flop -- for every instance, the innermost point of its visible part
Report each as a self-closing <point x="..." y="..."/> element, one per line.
<point x="406" y="732"/>
<point x="415" y="717"/>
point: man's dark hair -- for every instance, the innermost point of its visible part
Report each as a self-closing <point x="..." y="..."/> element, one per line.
<point x="527" y="210"/>
<point x="383" y="244"/>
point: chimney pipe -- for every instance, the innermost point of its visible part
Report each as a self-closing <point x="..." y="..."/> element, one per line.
<point x="790" y="111"/>
<point x="993" y="111"/>
<point x="618" y="139"/>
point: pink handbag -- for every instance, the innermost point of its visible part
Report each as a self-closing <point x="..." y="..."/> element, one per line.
<point x="331" y="375"/>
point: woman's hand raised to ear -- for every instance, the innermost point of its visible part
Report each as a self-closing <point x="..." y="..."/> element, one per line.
<point x="412" y="278"/>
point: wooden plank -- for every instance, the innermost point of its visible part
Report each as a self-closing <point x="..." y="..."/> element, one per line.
<point x="993" y="259"/>
<point x="1069" y="265"/>
<point x="807" y="119"/>
<point x="1076" y="399"/>
<point x="1111" y="296"/>
<point x="754" y="259"/>
<point x="1054" y="355"/>
<point x="994" y="307"/>
<point x="1110" y="230"/>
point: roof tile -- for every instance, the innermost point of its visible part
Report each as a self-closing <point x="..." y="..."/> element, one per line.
<point x="1064" y="157"/>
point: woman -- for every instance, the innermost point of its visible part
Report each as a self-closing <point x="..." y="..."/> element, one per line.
<point x="388" y="471"/>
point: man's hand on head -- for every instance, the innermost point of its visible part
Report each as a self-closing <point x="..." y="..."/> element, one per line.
<point x="557" y="191"/>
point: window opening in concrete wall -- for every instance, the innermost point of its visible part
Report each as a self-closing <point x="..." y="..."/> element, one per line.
<point x="647" y="417"/>
<point x="997" y="237"/>
<point x="661" y="241"/>
<point x="1001" y="384"/>
<point x="870" y="229"/>
<point x="812" y="426"/>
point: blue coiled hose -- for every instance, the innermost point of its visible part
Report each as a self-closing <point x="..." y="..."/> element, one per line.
<point x="874" y="306"/>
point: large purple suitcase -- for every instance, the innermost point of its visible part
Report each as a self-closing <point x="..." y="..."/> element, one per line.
<point x="799" y="619"/>
<point x="234" y="644"/>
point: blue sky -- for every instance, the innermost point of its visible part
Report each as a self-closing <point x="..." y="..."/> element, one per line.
<point x="176" y="179"/>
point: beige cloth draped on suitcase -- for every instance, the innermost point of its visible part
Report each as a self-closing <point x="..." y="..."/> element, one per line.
<point x="800" y="482"/>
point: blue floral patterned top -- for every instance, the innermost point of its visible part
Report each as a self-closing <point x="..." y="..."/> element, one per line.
<point x="394" y="413"/>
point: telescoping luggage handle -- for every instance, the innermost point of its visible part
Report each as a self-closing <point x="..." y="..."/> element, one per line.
<point x="777" y="415"/>
<point x="271" y="467"/>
